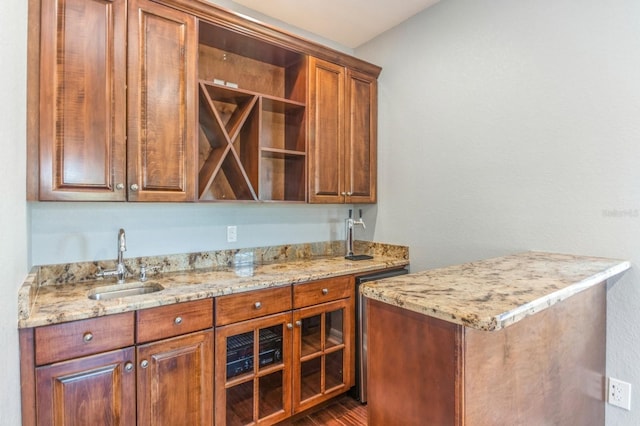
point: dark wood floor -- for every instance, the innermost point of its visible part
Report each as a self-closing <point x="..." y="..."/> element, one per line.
<point x="343" y="411"/>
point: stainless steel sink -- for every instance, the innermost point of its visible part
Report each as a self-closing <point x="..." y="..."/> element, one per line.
<point x="123" y="290"/>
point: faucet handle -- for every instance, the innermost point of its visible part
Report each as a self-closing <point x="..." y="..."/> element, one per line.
<point x="143" y="272"/>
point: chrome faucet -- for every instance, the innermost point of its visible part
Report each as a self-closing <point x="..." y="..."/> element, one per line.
<point x="122" y="247"/>
<point x="121" y="270"/>
<point x="350" y="223"/>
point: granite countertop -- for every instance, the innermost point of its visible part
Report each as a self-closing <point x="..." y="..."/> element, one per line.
<point x="59" y="293"/>
<point x="494" y="293"/>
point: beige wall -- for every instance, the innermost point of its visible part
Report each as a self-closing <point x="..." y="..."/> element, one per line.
<point x="509" y="125"/>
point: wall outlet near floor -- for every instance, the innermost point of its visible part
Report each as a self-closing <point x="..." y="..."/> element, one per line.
<point x="619" y="393"/>
<point x="232" y="234"/>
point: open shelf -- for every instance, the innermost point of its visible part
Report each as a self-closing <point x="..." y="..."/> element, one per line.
<point x="282" y="175"/>
<point x="252" y="139"/>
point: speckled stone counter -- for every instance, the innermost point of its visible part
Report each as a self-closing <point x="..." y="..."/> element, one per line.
<point x="58" y="293"/>
<point x="495" y="293"/>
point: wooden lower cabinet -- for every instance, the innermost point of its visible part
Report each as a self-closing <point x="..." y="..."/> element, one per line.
<point x="300" y="364"/>
<point x="273" y="353"/>
<point x="304" y="355"/>
<point x="253" y="371"/>
<point x="322" y="353"/>
<point x="175" y="381"/>
<point x="93" y="390"/>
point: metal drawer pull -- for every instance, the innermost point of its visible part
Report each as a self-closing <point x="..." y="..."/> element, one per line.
<point x="128" y="366"/>
<point x="88" y="336"/>
<point x="325" y="291"/>
<point x="177" y="321"/>
<point x="144" y="363"/>
<point x="257" y="305"/>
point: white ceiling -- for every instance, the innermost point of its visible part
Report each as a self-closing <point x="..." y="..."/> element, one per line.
<point x="348" y="22"/>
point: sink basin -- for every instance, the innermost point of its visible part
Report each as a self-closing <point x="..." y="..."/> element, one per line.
<point x="123" y="290"/>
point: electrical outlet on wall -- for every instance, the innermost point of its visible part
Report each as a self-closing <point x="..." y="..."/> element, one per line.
<point x="619" y="393"/>
<point x="232" y="234"/>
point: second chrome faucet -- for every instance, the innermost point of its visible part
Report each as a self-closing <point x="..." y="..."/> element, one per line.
<point x="350" y="224"/>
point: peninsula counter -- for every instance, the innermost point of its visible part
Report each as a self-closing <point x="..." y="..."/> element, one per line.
<point x="516" y="340"/>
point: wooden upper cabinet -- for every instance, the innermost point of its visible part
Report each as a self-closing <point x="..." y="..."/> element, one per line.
<point x="361" y="137"/>
<point x="161" y="103"/>
<point x="82" y="101"/>
<point x="342" y="134"/>
<point x="179" y="101"/>
<point x="326" y="132"/>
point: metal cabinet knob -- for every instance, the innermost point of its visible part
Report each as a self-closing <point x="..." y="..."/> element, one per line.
<point x="134" y="187"/>
<point x="128" y="366"/>
<point x="144" y="363"/>
<point x="87" y="337"/>
<point x="343" y="193"/>
<point x="299" y="323"/>
<point x="257" y="305"/>
<point x="325" y="291"/>
<point x="120" y="186"/>
<point x="177" y="321"/>
<point x="290" y="326"/>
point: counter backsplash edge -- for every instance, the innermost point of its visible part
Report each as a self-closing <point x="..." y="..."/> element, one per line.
<point x="59" y="274"/>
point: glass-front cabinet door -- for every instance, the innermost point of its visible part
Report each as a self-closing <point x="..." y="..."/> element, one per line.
<point x="321" y="352"/>
<point x="253" y="373"/>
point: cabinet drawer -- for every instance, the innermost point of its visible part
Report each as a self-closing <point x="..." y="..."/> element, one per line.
<point x="173" y="320"/>
<point x="243" y="306"/>
<point x="315" y="292"/>
<point x="78" y="338"/>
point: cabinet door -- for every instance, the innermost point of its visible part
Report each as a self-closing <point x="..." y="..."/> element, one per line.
<point x="250" y="392"/>
<point x="326" y="132"/>
<point x="175" y="384"/>
<point x="322" y="352"/>
<point x="82" y="100"/>
<point x="94" y="390"/>
<point x="162" y="115"/>
<point x="361" y="138"/>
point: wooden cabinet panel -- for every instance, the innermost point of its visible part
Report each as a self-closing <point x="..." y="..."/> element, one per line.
<point x="78" y="338"/>
<point x="361" y="138"/>
<point x="321" y="291"/>
<point x="175" y="381"/>
<point x="342" y="134"/>
<point x="326" y="131"/>
<point x="243" y="306"/>
<point x="427" y="345"/>
<point x="172" y="320"/>
<point x="162" y="82"/>
<point x="249" y="391"/>
<point x="547" y="369"/>
<point x="323" y="358"/>
<point x="82" y="100"/>
<point x="95" y="390"/>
